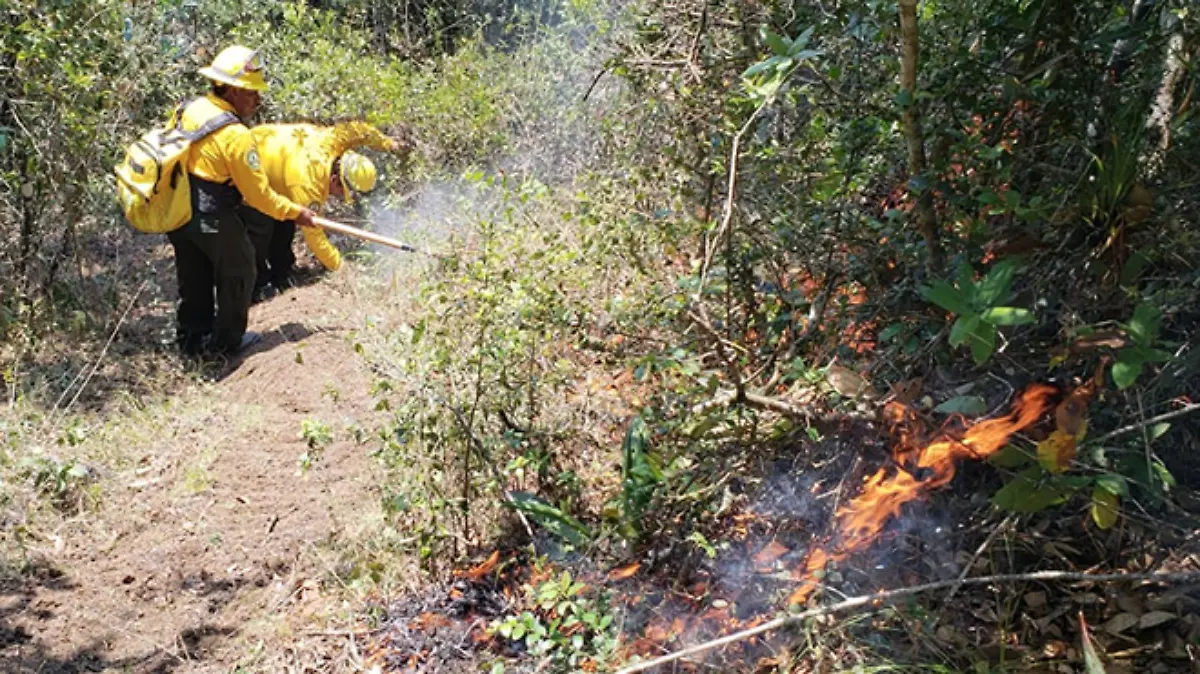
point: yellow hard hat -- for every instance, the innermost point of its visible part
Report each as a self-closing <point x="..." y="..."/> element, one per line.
<point x="237" y="66"/>
<point x="357" y="172"/>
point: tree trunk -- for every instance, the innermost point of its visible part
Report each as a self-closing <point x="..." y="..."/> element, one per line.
<point x="926" y="218"/>
<point x="1162" y="110"/>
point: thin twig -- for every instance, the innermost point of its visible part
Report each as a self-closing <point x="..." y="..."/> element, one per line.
<point x="595" y="81"/>
<point x="978" y="551"/>
<point x="477" y="444"/>
<point x="1152" y="420"/>
<point x="103" y="352"/>
<point x="880" y="597"/>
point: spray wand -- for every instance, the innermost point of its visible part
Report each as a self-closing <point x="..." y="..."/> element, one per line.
<point x="363" y="234"/>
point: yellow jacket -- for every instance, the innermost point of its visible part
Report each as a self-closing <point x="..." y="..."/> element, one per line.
<point x="298" y="160"/>
<point x="230" y="154"/>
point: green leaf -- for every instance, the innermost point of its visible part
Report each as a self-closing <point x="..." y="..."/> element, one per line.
<point x="890" y="332"/>
<point x="1106" y="506"/>
<point x="802" y="39"/>
<point x="966" y="282"/>
<point x="1126" y="370"/>
<point x="962" y="329"/>
<point x="1133" y="268"/>
<point x="640" y="472"/>
<point x="759" y="67"/>
<point x="983" y="342"/>
<point x="972" y="406"/>
<point x="1150" y="355"/>
<point x="550" y="518"/>
<point x="994" y="287"/>
<point x="1158" y="430"/>
<point x="947" y="297"/>
<point x="1012" y="198"/>
<point x="1008" y="316"/>
<point x="776" y="42"/>
<point x="1028" y="492"/>
<point x="1113" y="483"/>
<point x="1091" y="660"/>
<point x="1011" y="456"/>
<point x="1143" y="327"/>
<point x="904" y="99"/>
<point x="805" y="54"/>
<point x="1164" y="475"/>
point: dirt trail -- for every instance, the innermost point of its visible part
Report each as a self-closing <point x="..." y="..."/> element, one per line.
<point x="211" y="531"/>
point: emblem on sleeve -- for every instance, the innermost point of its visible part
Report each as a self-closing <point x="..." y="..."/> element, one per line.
<point x="252" y="160"/>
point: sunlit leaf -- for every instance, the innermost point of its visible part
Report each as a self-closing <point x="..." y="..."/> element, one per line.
<point x="1159" y="429"/>
<point x="962" y="329"/>
<point x="761" y="66"/>
<point x="550" y="518"/>
<point x="947" y="297"/>
<point x="1143" y="327"/>
<point x="983" y="342"/>
<point x="1126" y="370"/>
<point x="1056" y="451"/>
<point x="994" y="287"/>
<point x="1113" y="484"/>
<point x="1008" y="316"/>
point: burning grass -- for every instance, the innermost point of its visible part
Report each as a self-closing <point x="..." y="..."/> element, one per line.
<point x="921" y="468"/>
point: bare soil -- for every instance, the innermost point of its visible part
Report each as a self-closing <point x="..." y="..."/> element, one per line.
<point x="205" y="546"/>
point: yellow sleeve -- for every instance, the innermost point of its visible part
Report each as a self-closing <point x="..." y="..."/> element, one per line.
<point x="318" y="243"/>
<point x="245" y="167"/>
<point x="314" y="237"/>
<point x="349" y="135"/>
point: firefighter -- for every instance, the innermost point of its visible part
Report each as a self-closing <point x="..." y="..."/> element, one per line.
<point x="308" y="163"/>
<point x="213" y="250"/>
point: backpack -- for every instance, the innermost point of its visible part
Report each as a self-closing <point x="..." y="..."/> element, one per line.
<point x="152" y="182"/>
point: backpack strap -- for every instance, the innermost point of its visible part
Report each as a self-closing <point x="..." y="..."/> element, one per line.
<point x="219" y="122"/>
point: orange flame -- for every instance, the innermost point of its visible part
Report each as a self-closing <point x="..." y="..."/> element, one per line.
<point x="883" y="495"/>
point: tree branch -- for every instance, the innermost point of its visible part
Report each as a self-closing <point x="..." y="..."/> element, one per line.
<point x="1152" y="420"/>
<point x="880" y="597"/>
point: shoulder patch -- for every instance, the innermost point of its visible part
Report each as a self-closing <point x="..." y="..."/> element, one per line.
<point x="252" y="159"/>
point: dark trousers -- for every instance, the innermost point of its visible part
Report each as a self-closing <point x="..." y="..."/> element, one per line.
<point x="272" y="240"/>
<point x="213" y="253"/>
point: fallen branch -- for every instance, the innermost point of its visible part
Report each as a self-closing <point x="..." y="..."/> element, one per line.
<point x="880" y="597"/>
<point x="1152" y="420"/>
<point x="99" y="359"/>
